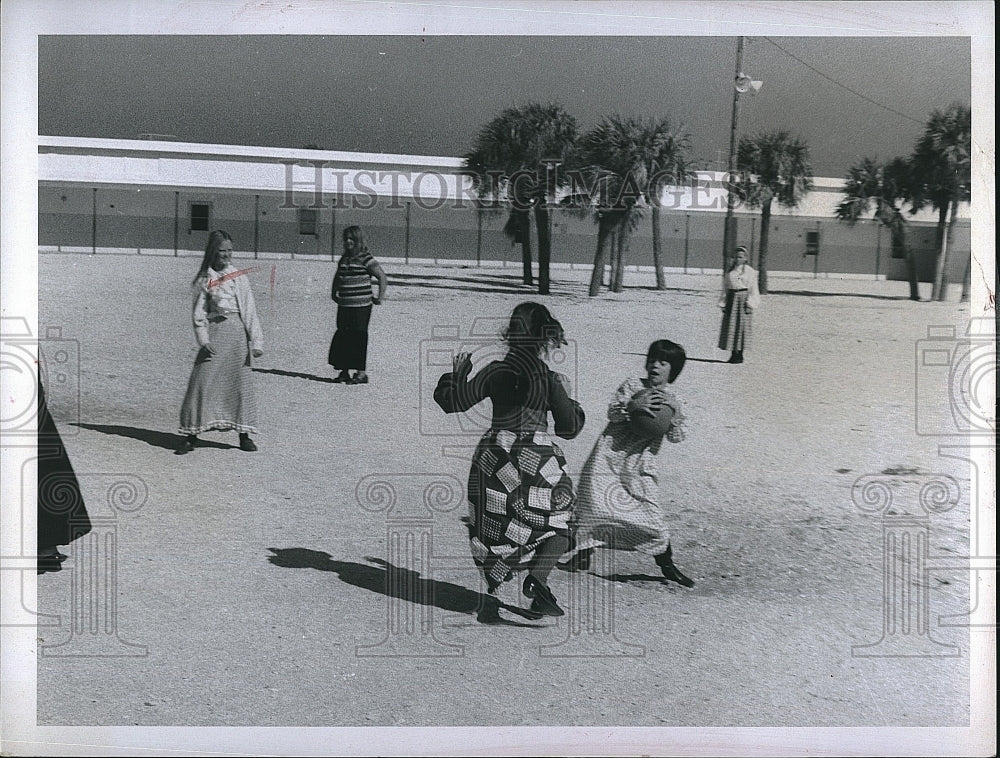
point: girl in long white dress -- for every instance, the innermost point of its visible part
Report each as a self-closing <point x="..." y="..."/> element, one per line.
<point x="220" y="392"/>
<point x="740" y="297"/>
<point x="619" y="492"/>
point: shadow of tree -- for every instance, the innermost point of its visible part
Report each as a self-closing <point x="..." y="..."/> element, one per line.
<point x="675" y="290"/>
<point x="810" y="293"/>
<point x="510" y="280"/>
<point x="154" y="437"/>
<point x="449" y="284"/>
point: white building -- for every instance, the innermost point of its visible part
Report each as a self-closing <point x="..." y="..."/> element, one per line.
<point x="162" y="197"/>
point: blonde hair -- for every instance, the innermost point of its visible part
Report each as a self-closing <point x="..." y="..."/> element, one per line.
<point x="215" y="240"/>
<point x="355" y="233"/>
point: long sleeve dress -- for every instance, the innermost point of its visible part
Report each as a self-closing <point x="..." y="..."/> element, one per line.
<point x="519" y="492"/>
<point x="618" y="505"/>
<point x="740" y="296"/>
<point x="220" y="392"/>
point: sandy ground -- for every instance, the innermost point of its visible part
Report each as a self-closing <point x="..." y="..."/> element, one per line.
<point x="269" y="589"/>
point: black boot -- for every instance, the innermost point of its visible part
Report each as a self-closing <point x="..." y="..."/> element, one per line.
<point x="50" y="559"/>
<point x="543" y="601"/>
<point x="489" y="611"/>
<point x="670" y="571"/>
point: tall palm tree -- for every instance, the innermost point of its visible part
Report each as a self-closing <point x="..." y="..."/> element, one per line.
<point x="942" y="166"/>
<point x="775" y="167"/>
<point x="668" y="163"/>
<point x="625" y="163"/>
<point x="880" y="189"/>
<point x="593" y="191"/>
<point x="511" y="162"/>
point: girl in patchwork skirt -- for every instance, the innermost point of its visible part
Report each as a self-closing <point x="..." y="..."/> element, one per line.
<point x="519" y="493"/>
<point x="619" y="501"/>
<point x="220" y="391"/>
<point x="740" y="296"/>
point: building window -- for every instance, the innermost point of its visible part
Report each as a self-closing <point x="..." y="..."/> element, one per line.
<point x="201" y="217"/>
<point x="812" y="243"/>
<point x="308" y="219"/>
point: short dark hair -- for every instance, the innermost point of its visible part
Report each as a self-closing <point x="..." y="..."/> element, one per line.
<point x="671" y="352"/>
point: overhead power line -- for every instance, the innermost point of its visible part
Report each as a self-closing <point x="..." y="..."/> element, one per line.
<point x="844" y="86"/>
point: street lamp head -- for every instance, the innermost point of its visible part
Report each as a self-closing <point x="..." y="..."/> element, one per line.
<point x="745" y="84"/>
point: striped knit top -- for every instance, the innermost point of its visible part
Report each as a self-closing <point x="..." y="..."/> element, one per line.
<point x="352" y="284"/>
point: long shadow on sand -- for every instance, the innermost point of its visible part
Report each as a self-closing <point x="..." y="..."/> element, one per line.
<point x="507" y="284"/>
<point x="153" y="437"/>
<point x="675" y="290"/>
<point x="810" y="293"/>
<point x="509" y="280"/>
<point x="513" y="281"/>
<point x="294" y="375"/>
<point x="690" y="358"/>
<point x="624" y="578"/>
<point x="389" y="580"/>
<point x="448" y="284"/>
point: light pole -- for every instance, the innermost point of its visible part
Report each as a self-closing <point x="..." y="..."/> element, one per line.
<point x="729" y="232"/>
<point x="741" y="85"/>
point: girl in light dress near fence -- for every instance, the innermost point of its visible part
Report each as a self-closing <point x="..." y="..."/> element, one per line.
<point x="220" y="393"/>
<point x="740" y="297"/>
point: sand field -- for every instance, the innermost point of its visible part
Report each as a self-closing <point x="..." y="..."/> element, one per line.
<point x="267" y="589"/>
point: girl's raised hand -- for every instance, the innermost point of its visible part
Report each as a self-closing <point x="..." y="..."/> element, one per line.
<point x="462" y="365"/>
<point x="563" y="381"/>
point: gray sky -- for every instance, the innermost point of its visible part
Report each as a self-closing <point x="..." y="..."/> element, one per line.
<point x="430" y="95"/>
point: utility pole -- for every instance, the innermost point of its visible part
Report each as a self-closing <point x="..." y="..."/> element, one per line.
<point x="729" y="233"/>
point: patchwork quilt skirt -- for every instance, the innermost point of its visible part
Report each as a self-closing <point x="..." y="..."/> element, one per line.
<point x="519" y="496"/>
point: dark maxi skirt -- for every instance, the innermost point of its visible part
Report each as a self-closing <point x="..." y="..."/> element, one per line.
<point x="62" y="515"/>
<point x="349" y="348"/>
<point x="220" y="393"/>
<point x="519" y="497"/>
<point x="736" y="323"/>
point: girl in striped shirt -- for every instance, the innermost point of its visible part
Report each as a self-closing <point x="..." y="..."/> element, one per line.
<point x="352" y="292"/>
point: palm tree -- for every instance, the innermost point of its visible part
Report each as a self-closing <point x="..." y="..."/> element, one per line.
<point x="598" y="198"/>
<point x="624" y="164"/>
<point x="880" y="189"/>
<point x="667" y="159"/>
<point x="511" y="163"/>
<point x="942" y="167"/>
<point x="775" y="167"/>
